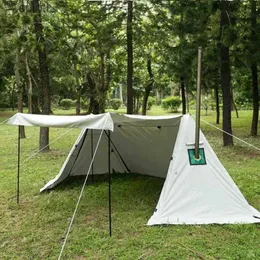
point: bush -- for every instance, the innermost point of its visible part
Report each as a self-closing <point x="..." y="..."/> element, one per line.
<point x="66" y="103"/>
<point x="4" y="105"/>
<point x="158" y="101"/>
<point x="84" y="104"/>
<point x="151" y="101"/>
<point x="171" y="103"/>
<point x="115" y="103"/>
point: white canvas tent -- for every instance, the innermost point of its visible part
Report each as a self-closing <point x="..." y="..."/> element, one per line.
<point x="194" y="192"/>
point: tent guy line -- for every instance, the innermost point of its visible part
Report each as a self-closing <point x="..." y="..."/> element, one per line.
<point x="80" y="195"/>
<point x="1" y="123"/>
<point x="239" y="139"/>
<point x="34" y="154"/>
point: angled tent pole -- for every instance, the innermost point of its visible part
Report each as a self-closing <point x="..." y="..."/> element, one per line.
<point x="18" y="164"/>
<point x="109" y="186"/>
<point x="197" y="130"/>
<point x="120" y="156"/>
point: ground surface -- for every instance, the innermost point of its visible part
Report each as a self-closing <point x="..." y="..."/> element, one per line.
<point x="35" y="229"/>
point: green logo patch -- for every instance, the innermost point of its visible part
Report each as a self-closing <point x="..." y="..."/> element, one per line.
<point x="194" y="161"/>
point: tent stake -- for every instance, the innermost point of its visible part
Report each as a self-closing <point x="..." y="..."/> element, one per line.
<point x="92" y="166"/>
<point x="197" y="130"/>
<point x="109" y="187"/>
<point x="18" y="164"/>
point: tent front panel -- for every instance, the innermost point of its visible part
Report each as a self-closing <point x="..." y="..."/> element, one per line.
<point x="199" y="194"/>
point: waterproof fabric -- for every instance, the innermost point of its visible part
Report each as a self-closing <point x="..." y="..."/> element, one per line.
<point x="102" y="121"/>
<point x="199" y="194"/>
<point x="156" y="146"/>
<point x="138" y="144"/>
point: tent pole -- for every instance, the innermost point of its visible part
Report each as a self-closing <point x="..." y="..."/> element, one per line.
<point x="111" y="141"/>
<point x="18" y="164"/>
<point x="92" y="153"/>
<point x="197" y="130"/>
<point x="109" y="186"/>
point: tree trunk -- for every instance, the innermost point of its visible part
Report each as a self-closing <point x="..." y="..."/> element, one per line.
<point x="44" y="73"/>
<point x="187" y="97"/>
<point x="19" y="89"/>
<point x="103" y="90"/>
<point x="217" y="104"/>
<point x="148" y="87"/>
<point x="13" y="96"/>
<point x="234" y="107"/>
<point x="183" y="97"/>
<point x="29" y="82"/>
<point x="225" y="76"/>
<point x="129" y="58"/>
<point x="254" y="74"/>
<point x="78" y="90"/>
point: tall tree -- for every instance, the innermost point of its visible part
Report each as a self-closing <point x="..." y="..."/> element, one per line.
<point x="225" y="24"/>
<point x="44" y="73"/>
<point x="129" y="57"/>
<point x="254" y="74"/>
<point x="149" y="85"/>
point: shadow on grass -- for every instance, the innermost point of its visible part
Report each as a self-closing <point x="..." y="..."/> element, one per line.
<point x="116" y="178"/>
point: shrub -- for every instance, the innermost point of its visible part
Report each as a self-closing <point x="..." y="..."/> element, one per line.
<point x="84" y="104"/>
<point x="66" y="103"/>
<point x="151" y="101"/>
<point x="158" y="101"/>
<point x="4" y="105"/>
<point x="171" y="103"/>
<point x="115" y="103"/>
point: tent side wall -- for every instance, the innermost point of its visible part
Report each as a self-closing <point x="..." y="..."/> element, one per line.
<point x="199" y="194"/>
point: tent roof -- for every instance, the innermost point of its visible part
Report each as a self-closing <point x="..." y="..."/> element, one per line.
<point x="104" y="121"/>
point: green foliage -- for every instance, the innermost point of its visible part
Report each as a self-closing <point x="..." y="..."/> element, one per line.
<point x="151" y="102"/>
<point x="171" y="103"/>
<point x="66" y="103"/>
<point x="115" y="103"/>
<point x="84" y="104"/>
<point x="243" y="103"/>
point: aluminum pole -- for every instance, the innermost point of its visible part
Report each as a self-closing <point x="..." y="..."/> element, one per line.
<point x="18" y="164"/>
<point x="197" y="130"/>
<point x="109" y="187"/>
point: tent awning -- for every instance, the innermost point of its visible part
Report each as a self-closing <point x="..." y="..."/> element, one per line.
<point x="101" y="121"/>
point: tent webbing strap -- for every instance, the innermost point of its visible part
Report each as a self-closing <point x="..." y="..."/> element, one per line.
<point x="80" y="196"/>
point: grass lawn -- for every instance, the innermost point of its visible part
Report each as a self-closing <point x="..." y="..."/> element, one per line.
<point x="35" y="229"/>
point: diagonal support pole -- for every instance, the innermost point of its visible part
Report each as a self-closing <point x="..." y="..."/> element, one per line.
<point x="120" y="156"/>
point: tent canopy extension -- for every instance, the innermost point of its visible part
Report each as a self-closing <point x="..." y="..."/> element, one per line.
<point x="194" y="192"/>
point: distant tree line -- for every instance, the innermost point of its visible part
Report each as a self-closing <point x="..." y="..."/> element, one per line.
<point x="88" y="51"/>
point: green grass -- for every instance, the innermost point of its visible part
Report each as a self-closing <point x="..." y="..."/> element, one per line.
<point x="35" y="229"/>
